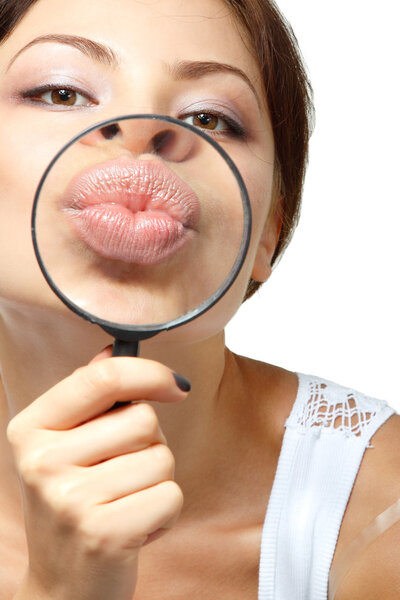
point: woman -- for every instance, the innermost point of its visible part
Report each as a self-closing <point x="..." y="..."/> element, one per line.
<point x="103" y="513"/>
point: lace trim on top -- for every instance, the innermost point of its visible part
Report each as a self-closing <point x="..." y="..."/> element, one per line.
<point x="334" y="408"/>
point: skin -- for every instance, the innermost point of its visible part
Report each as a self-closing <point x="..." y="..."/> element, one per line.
<point x="111" y="484"/>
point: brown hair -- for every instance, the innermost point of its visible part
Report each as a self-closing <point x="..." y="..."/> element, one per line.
<point x="11" y="12"/>
<point x="289" y="97"/>
<point x="287" y="88"/>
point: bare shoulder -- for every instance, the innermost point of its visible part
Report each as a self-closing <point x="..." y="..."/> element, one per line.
<point x="272" y="392"/>
<point x="376" y="572"/>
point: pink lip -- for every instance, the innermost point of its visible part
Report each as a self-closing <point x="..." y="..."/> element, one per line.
<point x="137" y="211"/>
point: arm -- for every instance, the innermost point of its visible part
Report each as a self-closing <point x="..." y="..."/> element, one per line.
<point x="375" y="574"/>
<point x="369" y="567"/>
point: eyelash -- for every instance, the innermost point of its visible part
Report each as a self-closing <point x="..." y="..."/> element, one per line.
<point x="235" y="129"/>
<point x="34" y="93"/>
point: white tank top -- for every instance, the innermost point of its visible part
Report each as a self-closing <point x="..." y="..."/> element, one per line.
<point x="327" y="433"/>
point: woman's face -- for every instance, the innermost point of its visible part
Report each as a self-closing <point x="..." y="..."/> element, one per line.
<point x="169" y="57"/>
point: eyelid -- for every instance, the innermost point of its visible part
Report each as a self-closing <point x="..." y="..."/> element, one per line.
<point x="235" y="128"/>
<point x="48" y="87"/>
<point x="212" y="106"/>
<point x="216" y="106"/>
<point x="233" y="124"/>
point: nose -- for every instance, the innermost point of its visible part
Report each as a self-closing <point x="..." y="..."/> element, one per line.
<point x="169" y="141"/>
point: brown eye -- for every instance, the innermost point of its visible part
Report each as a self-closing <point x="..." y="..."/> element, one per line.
<point x="205" y="121"/>
<point x="58" y="97"/>
<point x="215" y="123"/>
<point x="64" y="97"/>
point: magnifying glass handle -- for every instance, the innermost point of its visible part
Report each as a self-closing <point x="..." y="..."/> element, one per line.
<point x="124" y="348"/>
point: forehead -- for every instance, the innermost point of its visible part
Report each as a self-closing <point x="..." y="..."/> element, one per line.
<point x="144" y="30"/>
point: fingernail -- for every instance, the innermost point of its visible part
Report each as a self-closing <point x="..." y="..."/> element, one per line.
<point x="182" y="383"/>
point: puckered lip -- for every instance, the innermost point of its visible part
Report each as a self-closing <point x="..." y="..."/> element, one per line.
<point x="139" y="185"/>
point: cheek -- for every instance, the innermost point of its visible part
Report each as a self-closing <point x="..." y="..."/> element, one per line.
<point x="17" y="186"/>
<point x="24" y="154"/>
<point x="259" y="183"/>
<point x="258" y="177"/>
<point x="255" y="161"/>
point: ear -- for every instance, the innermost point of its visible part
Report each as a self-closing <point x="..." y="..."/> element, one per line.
<point x="269" y="239"/>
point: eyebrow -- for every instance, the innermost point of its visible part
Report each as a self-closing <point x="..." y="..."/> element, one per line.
<point x="195" y="69"/>
<point x="106" y="55"/>
<point x="94" y="50"/>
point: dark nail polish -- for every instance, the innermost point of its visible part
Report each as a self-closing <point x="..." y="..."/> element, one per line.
<point x="182" y="383"/>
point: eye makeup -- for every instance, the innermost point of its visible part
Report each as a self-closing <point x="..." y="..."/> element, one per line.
<point x="34" y="94"/>
<point x="234" y="127"/>
<point x="42" y="70"/>
<point x="209" y="119"/>
<point x="220" y="104"/>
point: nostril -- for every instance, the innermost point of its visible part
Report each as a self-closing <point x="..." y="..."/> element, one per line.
<point x="110" y="131"/>
<point x="161" y="139"/>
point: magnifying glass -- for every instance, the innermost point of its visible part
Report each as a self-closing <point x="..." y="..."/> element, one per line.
<point x="141" y="224"/>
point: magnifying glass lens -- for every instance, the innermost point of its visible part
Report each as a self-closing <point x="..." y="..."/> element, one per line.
<point x="140" y="223"/>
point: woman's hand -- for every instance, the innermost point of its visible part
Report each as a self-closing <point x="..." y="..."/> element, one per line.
<point x="96" y="482"/>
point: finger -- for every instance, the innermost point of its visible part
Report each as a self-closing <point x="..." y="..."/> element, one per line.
<point x="105" y="353"/>
<point x="131" y="519"/>
<point x="121" y="431"/>
<point x="122" y="476"/>
<point x="94" y="389"/>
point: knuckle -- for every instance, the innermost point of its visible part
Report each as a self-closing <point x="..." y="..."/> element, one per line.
<point x="102" y="375"/>
<point x="34" y="466"/>
<point x="14" y="432"/>
<point x="164" y="459"/>
<point x="98" y="538"/>
<point x="66" y="501"/>
<point x="146" y="419"/>
<point x="92" y="537"/>
<point x="67" y="513"/>
<point x="173" y="496"/>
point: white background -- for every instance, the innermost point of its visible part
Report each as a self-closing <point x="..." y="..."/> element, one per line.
<point x="331" y="307"/>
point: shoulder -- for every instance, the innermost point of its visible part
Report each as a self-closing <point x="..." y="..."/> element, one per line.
<point x="375" y="574"/>
<point x="308" y="401"/>
<point x="270" y="391"/>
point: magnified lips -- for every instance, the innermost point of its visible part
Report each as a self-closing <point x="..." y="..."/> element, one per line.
<point x="137" y="211"/>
